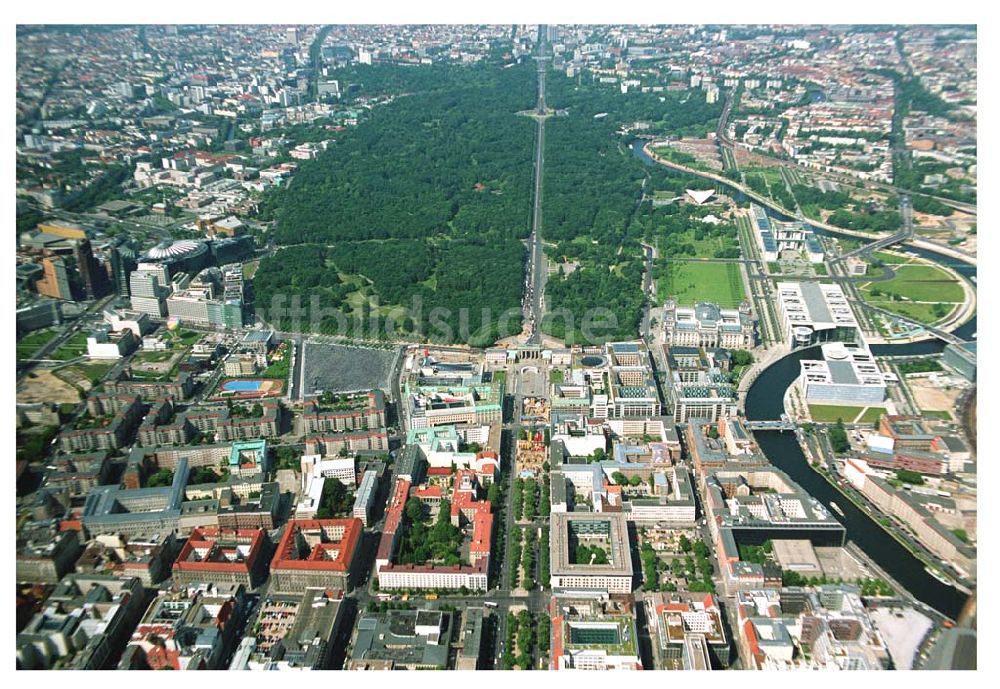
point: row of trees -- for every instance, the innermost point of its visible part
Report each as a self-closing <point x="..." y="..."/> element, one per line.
<point x="543" y="558"/>
<point x="515" y="557"/>
<point x="528" y="502"/>
<point x="528" y="558"/>
<point x="521" y="628"/>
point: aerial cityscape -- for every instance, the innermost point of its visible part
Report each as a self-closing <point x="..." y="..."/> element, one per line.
<point x="496" y="347"/>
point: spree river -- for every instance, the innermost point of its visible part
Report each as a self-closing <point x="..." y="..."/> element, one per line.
<point x="764" y="402"/>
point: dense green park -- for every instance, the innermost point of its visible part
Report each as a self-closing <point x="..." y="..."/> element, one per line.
<point x="595" y="205"/>
<point x="417" y="213"/>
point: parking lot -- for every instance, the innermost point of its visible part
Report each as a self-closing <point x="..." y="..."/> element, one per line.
<point x="340" y="368"/>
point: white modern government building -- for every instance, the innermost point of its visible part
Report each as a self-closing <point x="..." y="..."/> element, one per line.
<point x="847" y="374"/>
<point x="813" y="312"/>
<point x="775" y="236"/>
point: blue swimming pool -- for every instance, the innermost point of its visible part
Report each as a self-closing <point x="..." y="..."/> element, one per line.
<point x="242" y="385"/>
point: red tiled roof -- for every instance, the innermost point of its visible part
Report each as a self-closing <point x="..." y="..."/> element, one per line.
<point x="444" y="569"/>
<point x="208" y="537"/>
<point x="427" y="492"/>
<point x="482" y="532"/>
<point x="284" y="556"/>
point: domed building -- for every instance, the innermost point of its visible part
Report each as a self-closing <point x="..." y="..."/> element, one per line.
<point x="707" y="325"/>
<point x="184" y="255"/>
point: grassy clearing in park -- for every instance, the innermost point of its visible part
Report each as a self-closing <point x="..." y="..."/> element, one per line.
<point x="702" y="247"/>
<point x="689" y="282"/>
<point x="31" y="343"/>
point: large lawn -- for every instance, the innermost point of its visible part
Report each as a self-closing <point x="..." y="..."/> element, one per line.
<point x="689" y="282"/>
<point x="890" y="258"/>
<point x="829" y="413"/>
<point x="922" y="283"/>
<point x="71" y="348"/>
<point x="186" y="337"/>
<point x="31" y="343"/>
<point x="921" y="288"/>
<point x="923" y="313"/>
<point x="153" y="356"/>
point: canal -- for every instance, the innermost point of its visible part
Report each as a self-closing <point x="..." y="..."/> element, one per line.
<point x="765" y="402"/>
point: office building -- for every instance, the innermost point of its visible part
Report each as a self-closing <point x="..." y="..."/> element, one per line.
<point x="813" y="313"/>
<point x="86" y="619"/>
<point x="402" y="639"/>
<point x="365" y="497"/>
<point x="123" y="319"/>
<point x="471" y="638"/>
<point x="92" y="275"/>
<point x="316" y="553"/>
<point x="578" y="541"/>
<point x="56" y="280"/>
<point x="359" y="412"/>
<point x="149" y="286"/>
<point x="775" y="236"/>
<point x="752" y="504"/>
<point x="590" y="632"/>
<point x="672" y="501"/>
<point x="146" y="556"/>
<point x="191" y="629"/>
<point x="688" y="630"/>
<point x="103" y="344"/>
<point x="699" y="385"/>
<point x="961" y="359"/>
<point x="293" y="632"/>
<point x="847" y="374"/>
<point x="109" y="424"/>
<point x="124" y="261"/>
<point x="221" y="556"/>
<point x="45" y="554"/>
<point x="826" y="628"/>
<point x="632" y="388"/>
<point x="437" y="405"/>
